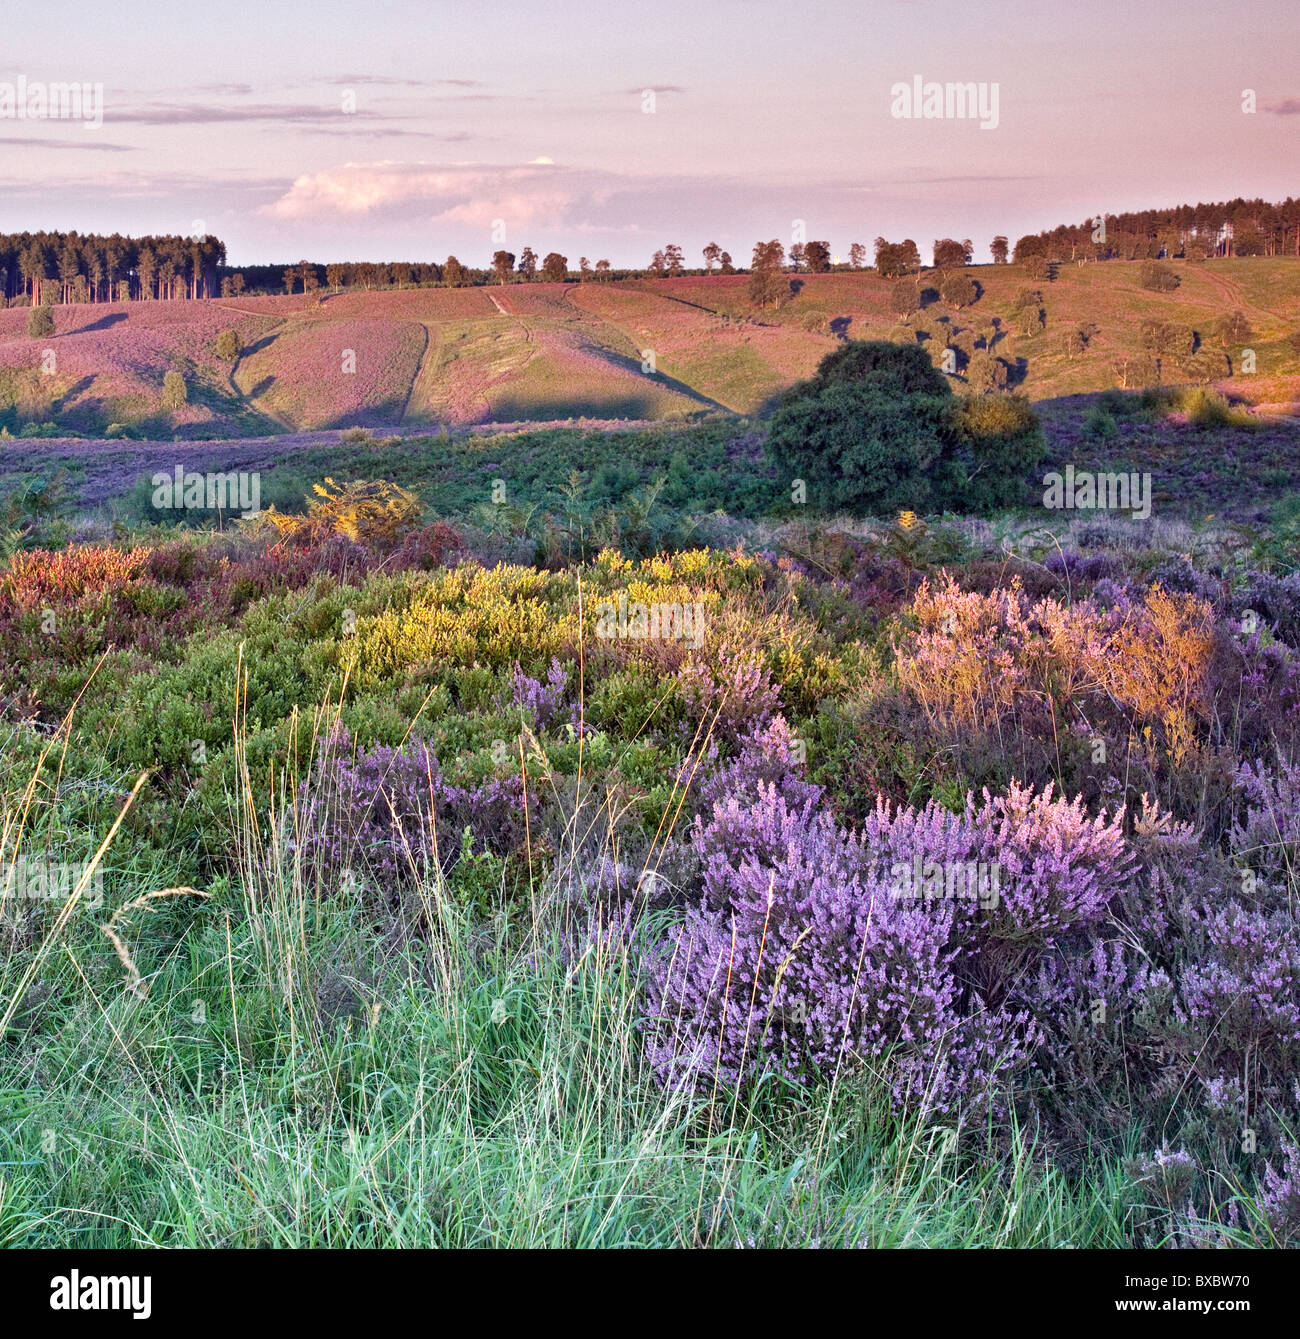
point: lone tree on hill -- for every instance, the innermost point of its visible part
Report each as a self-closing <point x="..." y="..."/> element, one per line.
<point x="40" y="323"/>
<point x="767" y="285"/>
<point x="174" y="394"/>
<point x="985" y="373"/>
<point x="905" y="299"/>
<point x="1158" y="278"/>
<point x="1233" y="328"/>
<point x="958" y="290"/>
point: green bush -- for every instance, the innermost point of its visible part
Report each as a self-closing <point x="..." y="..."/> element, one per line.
<point x="882" y="365"/>
<point x="40" y="323"/>
<point x="861" y="448"/>
<point x="1158" y="278"/>
<point x="174" y="394"/>
<point x="1099" y="424"/>
<point x="229" y="345"/>
<point x="1206" y="408"/>
<point x="876" y="430"/>
<point x="999" y="441"/>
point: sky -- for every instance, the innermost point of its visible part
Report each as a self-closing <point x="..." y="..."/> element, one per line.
<point x="405" y="130"/>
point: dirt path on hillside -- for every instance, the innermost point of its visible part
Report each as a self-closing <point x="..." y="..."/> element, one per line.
<point x="1232" y="292"/>
<point x="430" y="342"/>
<point x="243" y="311"/>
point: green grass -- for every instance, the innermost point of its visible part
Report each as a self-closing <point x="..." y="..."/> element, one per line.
<point x="291" y="1080"/>
<point x="254" y="1064"/>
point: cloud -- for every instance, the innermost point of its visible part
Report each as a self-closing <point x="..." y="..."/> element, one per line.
<point x="393" y="132"/>
<point x="926" y="180"/>
<point x="178" y="114"/>
<point x="393" y="81"/>
<point x="457" y="193"/>
<point x="654" y="88"/>
<point x="1287" y="107"/>
<point x="45" y="145"/>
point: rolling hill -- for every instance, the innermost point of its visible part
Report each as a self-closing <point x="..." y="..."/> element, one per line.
<point x="632" y="350"/>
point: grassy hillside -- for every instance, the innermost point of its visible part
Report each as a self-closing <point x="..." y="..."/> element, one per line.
<point x="538" y="352"/>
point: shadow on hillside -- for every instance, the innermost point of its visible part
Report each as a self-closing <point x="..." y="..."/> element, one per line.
<point x="59" y="404"/>
<point x="264" y="343"/>
<point x="104" y="323"/>
<point x="631" y="365"/>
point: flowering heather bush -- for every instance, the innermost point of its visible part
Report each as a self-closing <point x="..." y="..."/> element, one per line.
<point x="981" y="660"/>
<point x="1178" y="575"/>
<point x="389" y="814"/>
<point x="734" y="697"/>
<point x="428" y="548"/>
<point x="1267" y="837"/>
<point x="767" y="757"/>
<point x="1083" y="569"/>
<point x="1275" y="600"/>
<point x="1280" y="1196"/>
<point x="800" y="958"/>
<point x="41" y="576"/>
<point x="541" y="701"/>
<point x="1242" y="991"/>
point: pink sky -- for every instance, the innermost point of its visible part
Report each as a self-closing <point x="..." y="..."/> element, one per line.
<point x="402" y="130"/>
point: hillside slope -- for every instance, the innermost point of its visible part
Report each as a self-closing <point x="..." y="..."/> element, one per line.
<point x="541" y="352"/>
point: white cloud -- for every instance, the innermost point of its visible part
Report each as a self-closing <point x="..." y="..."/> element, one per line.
<point x="465" y="193"/>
